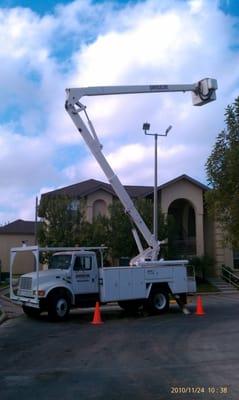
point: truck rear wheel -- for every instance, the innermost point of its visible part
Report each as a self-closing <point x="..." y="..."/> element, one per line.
<point x="158" y="302"/>
<point x="31" y="311"/>
<point x="58" y="307"/>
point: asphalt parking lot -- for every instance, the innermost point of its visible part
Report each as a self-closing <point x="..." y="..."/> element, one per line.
<point x="173" y="356"/>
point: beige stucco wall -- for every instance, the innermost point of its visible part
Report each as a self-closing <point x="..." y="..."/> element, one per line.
<point x="91" y="198"/>
<point x="223" y="254"/>
<point x="23" y="262"/>
<point x="184" y="189"/>
<point x="209" y="237"/>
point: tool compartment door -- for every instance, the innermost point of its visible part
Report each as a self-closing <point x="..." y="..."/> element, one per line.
<point x="109" y="284"/>
<point x="179" y="284"/>
<point x="138" y="287"/>
<point x="122" y="283"/>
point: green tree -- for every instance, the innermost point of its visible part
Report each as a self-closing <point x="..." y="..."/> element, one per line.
<point x="222" y="169"/>
<point x="61" y="225"/>
<point x="121" y="242"/>
<point x="97" y="233"/>
<point x="121" y="239"/>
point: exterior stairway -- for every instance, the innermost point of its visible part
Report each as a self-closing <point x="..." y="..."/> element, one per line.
<point x="222" y="285"/>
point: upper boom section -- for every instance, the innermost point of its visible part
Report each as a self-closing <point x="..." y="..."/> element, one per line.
<point x="202" y="91"/>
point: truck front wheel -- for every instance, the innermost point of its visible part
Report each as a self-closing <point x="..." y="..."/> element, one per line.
<point x="158" y="302"/>
<point x="58" y="307"/>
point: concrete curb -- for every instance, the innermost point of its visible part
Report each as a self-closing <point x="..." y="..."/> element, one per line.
<point x="3" y="316"/>
<point x="213" y="293"/>
<point x="6" y="314"/>
<point x="5" y="298"/>
<point x="206" y="293"/>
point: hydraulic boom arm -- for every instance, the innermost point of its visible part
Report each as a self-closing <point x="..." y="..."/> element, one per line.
<point x="203" y="92"/>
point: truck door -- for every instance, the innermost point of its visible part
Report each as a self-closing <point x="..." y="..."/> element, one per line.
<point x="85" y="275"/>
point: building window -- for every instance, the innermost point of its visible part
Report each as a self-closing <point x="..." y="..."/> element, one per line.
<point x="99" y="208"/>
<point x="74" y="205"/>
<point x="83" y="263"/>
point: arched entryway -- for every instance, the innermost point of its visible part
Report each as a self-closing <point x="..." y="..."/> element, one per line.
<point x="182" y="237"/>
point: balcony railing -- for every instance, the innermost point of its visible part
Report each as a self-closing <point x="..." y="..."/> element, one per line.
<point x="231" y="278"/>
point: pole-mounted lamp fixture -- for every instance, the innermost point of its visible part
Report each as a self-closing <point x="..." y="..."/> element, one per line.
<point x="146" y="128"/>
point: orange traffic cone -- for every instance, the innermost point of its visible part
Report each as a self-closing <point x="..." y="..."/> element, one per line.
<point x="199" y="310"/>
<point x="97" y="315"/>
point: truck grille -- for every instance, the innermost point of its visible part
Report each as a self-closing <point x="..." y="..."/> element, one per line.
<point x="25" y="283"/>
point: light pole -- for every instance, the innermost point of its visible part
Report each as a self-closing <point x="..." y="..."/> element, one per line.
<point x="146" y="127"/>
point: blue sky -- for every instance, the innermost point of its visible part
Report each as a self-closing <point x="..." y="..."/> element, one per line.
<point x="47" y="46"/>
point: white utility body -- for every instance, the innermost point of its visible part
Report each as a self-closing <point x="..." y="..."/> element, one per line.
<point x="148" y="281"/>
<point x="75" y="278"/>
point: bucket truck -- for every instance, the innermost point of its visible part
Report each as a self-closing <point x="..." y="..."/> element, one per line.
<point x="74" y="277"/>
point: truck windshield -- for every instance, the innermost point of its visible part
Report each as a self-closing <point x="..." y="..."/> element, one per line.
<point x="60" y="261"/>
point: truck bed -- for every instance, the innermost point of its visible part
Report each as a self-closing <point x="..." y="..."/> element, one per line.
<point x="125" y="283"/>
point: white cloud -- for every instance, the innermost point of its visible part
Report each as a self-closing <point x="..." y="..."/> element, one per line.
<point x="25" y="164"/>
<point x="25" y="161"/>
<point x="134" y="164"/>
<point x="139" y="43"/>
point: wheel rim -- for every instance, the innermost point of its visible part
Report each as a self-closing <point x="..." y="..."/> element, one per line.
<point x="160" y="301"/>
<point x="61" y="307"/>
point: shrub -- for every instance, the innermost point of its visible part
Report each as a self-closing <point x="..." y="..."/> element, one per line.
<point x="204" y="267"/>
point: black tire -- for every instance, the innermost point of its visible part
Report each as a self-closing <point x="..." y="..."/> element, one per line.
<point x="158" y="302"/>
<point x="31" y="312"/>
<point x="130" y="306"/>
<point x="58" y="307"/>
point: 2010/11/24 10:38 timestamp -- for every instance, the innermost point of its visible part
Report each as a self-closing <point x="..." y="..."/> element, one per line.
<point x="212" y="390"/>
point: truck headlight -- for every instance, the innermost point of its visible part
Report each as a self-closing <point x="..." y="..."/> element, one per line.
<point x="40" y="292"/>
